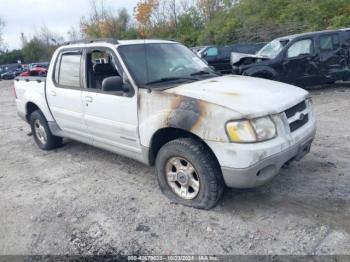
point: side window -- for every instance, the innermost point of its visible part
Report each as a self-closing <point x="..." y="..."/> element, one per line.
<point x="100" y="64"/>
<point x="69" y="70"/>
<point x="212" y="51"/>
<point x="225" y="51"/>
<point x="302" y="47"/>
<point x="329" y="43"/>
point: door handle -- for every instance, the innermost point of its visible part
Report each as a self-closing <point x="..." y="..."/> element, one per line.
<point x="88" y="99"/>
<point x="53" y="93"/>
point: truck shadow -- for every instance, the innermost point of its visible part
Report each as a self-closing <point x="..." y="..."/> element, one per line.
<point x="296" y="193"/>
<point x="315" y="188"/>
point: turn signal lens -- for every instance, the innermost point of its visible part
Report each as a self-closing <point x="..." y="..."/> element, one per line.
<point x="249" y="131"/>
<point x="240" y="131"/>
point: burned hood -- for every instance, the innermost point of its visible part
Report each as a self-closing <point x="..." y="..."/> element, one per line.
<point x="240" y="58"/>
<point x="250" y="97"/>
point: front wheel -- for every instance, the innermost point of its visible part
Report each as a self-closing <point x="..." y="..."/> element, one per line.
<point x="189" y="174"/>
<point x="41" y="132"/>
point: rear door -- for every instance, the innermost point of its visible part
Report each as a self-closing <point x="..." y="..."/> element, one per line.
<point x="333" y="56"/>
<point x="64" y="94"/>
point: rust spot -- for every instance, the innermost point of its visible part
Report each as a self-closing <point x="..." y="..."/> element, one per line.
<point x="186" y="113"/>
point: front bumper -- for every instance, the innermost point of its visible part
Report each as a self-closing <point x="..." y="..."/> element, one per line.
<point x="252" y="165"/>
<point x="266" y="169"/>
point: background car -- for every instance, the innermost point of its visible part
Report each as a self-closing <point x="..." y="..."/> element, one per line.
<point x="307" y="59"/>
<point x="219" y="56"/>
<point x="35" y="71"/>
<point x="7" y="71"/>
<point x="8" y="75"/>
<point x="41" y="64"/>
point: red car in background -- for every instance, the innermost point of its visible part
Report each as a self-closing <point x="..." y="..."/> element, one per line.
<point x="35" y="71"/>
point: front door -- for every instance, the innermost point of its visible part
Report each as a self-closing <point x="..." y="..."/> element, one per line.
<point x="64" y="95"/>
<point x="110" y="116"/>
<point x="301" y="64"/>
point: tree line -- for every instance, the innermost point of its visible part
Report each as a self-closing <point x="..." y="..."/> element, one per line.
<point x="194" y="22"/>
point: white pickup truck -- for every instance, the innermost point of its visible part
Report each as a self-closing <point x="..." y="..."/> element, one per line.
<point x="157" y="102"/>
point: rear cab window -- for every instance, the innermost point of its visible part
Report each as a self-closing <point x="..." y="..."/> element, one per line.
<point x="67" y="70"/>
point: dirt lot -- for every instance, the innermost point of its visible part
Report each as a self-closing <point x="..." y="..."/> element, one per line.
<point x="82" y="200"/>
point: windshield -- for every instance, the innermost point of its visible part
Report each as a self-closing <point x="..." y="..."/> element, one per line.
<point x="163" y="64"/>
<point x="272" y="49"/>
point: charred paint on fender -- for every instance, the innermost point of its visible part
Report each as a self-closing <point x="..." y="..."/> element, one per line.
<point x="160" y="109"/>
<point x="186" y="113"/>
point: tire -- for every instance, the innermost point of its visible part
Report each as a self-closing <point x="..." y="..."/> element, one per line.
<point x="41" y="132"/>
<point x="190" y="165"/>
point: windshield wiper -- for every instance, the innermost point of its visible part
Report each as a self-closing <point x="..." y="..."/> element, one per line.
<point x="169" y="79"/>
<point x="203" y="72"/>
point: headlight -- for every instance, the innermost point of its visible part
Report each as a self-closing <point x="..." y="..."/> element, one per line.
<point x="248" y="131"/>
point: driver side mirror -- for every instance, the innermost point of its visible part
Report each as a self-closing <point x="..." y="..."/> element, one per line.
<point x="114" y="83"/>
<point x="205" y="54"/>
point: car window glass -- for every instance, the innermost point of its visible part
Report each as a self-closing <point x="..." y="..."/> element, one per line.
<point x="153" y="62"/>
<point x="70" y="70"/>
<point x="336" y="41"/>
<point x="329" y="43"/>
<point x="326" y="43"/>
<point x="213" y="51"/>
<point x="226" y="51"/>
<point x="135" y="57"/>
<point x="100" y="65"/>
<point x="272" y="49"/>
<point x="301" y="47"/>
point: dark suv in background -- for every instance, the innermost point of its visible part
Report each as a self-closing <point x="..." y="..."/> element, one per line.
<point x="304" y="59"/>
<point x="218" y="57"/>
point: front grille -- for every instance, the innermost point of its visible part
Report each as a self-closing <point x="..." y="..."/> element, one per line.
<point x="299" y="123"/>
<point x="297" y="116"/>
<point x="295" y="109"/>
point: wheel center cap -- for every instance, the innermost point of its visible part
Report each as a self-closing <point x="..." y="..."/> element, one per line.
<point x="182" y="178"/>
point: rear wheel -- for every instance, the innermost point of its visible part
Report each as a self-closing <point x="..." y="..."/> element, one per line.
<point x="41" y="132"/>
<point x="188" y="173"/>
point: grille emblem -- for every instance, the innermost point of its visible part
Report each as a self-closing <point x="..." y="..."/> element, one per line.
<point x="300" y="116"/>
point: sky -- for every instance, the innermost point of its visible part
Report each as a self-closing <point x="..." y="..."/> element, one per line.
<point x="59" y="16"/>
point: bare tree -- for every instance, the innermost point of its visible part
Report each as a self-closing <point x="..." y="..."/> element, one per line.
<point x="208" y="8"/>
<point x="104" y="22"/>
<point x="74" y="34"/>
<point x="24" y="40"/>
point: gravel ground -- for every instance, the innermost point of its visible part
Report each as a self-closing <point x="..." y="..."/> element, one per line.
<point x="82" y="200"/>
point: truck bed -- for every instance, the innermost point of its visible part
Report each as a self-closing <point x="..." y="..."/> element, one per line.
<point x="31" y="88"/>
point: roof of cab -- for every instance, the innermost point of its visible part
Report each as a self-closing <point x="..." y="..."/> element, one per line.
<point x="144" y="41"/>
<point x="115" y="42"/>
<point x="290" y="37"/>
